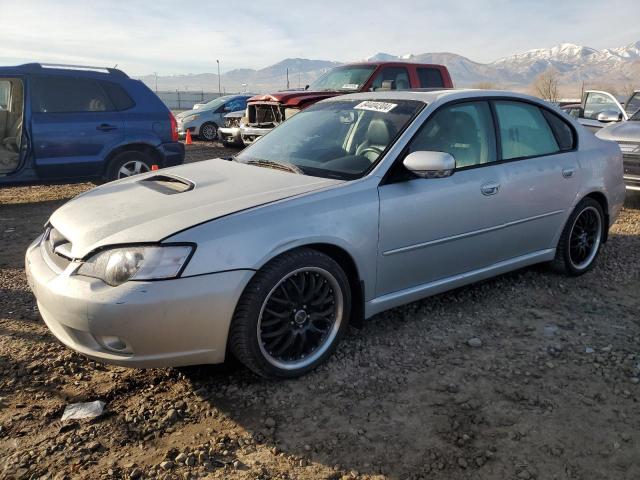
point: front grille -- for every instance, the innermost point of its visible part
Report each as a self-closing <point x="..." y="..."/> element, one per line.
<point x="56" y="248"/>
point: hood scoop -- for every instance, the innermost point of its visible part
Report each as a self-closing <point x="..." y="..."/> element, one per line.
<point x="167" y="184"/>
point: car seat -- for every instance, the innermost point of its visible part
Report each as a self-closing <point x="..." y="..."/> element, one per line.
<point x="378" y="136"/>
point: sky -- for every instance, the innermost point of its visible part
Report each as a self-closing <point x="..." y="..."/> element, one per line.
<point x="170" y="37"/>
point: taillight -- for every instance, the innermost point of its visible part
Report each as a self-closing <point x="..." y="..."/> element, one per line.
<point x="174" y="127"/>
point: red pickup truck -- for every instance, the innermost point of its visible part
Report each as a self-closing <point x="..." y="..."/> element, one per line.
<point x="266" y="111"/>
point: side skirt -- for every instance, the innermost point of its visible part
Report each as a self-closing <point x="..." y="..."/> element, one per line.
<point x="394" y="299"/>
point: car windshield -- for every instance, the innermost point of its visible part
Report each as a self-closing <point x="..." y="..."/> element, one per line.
<point x="343" y="79"/>
<point x="215" y="103"/>
<point x="636" y="116"/>
<point x="337" y="139"/>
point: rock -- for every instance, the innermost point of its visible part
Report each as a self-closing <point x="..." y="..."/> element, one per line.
<point x="634" y="380"/>
<point x="270" y="422"/>
<point x="166" y="465"/>
<point x="474" y="342"/>
<point x="462" y="463"/>
<point x="171" y="416"/>
<point x="135" y="473"/>
<point x="191" y="461"/>
<point x="589" y="350"/>
<point x="181" y="458"/>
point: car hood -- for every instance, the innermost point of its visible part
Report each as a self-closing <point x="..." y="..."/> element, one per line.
<point x="147" y="208"/>
<point x="295" y="98"/>
<point x="623" y="131"/>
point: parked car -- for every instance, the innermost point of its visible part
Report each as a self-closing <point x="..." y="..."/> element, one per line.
<point x="627" y="135"/>
<point x="230" y="134"/>
<point x="264" y="112"/>
<point x="69" y="123"/>
<point x="205" y="121"/>
<point x="598" y="109"/>
<point x="357" y="204"/>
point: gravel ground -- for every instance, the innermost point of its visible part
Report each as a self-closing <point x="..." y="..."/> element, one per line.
<point x="528" y="376"/>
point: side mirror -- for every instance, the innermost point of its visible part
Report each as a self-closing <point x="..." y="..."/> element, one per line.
<point x="430" y="164"/>
<point x="609" y="116"/>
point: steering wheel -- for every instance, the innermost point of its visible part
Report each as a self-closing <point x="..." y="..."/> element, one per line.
<point x="371" y="149"/>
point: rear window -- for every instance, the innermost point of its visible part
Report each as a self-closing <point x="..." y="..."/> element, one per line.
<point x="68" y="94"/>
<point x="118" y="95"/>
<point x="561" y="130"/>
<point x="430" y="78"/>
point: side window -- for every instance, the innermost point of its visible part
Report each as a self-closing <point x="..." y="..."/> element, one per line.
<point x="236" y="104"/>
<point x="430" y="77"/>
<point x="5" y="91"/>
<point x="398" y="75"/>
<point x="465" y="130"/>
<point x="118" y="95"/>
<point x="524" y="131"/>
<point x="596" y="103"/>
<point x="633" y="105"/>
<point x="561" y="130"/>
<point x="68" y="94"/>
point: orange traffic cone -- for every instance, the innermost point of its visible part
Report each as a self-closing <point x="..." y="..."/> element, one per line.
<point x="187" y="139"/>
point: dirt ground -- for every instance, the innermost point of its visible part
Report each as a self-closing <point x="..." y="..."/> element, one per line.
<point x="550" y="391"/>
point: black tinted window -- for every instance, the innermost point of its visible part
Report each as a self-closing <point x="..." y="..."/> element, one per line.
<point x="561" y="130"/>
<point x="118" y="96"/>
<point x="67" y="94"/>
<point x="430" y="78"/>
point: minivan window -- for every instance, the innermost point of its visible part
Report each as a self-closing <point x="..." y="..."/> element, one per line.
<point x="430" y="78"/>
<point x="524" y="132"/>
<point x="5" y="89"/>
<point x="68" y="94"/>
<point x="118" y="95"/>
<point x="464" y="130"/>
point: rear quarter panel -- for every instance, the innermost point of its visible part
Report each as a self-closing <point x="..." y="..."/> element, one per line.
<point x="148" y="121"/>
<point x="601" y="170"/>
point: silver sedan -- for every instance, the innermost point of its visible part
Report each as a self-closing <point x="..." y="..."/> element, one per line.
<point x="358" y="204"/>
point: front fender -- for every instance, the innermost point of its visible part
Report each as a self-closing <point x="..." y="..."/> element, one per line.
<point x="345" y="217"/>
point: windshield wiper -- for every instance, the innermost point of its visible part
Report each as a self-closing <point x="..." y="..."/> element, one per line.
<point x="287" y="167"/>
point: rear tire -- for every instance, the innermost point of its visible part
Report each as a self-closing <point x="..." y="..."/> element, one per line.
<point x="581" y="239"/>
<point x="292" y="315"/>
<point x="127" y="164"/>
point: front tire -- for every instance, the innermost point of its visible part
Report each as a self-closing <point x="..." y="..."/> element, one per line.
<point x="581" y="239"/>
<point x="208" y="131"/>
<point x="292" y="314"/>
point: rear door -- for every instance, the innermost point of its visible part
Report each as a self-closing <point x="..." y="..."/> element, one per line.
<point x="540" y="175"/>
<point x="74" y="126"/>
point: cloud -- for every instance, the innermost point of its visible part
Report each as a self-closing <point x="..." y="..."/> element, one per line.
<point x="170" y="37"/>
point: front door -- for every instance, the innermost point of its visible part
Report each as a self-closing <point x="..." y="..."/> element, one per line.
<point x="74" y="126"/>
<point x="431" y="229"/>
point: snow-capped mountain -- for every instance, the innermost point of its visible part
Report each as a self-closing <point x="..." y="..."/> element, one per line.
<point x="575" y="64"/>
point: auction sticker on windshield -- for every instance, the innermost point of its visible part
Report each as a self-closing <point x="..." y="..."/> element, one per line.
<point x="384" y="107"/>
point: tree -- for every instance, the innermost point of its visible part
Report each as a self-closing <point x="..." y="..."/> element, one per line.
<point x="546" y="85"/>
<point x="486" y="86"/>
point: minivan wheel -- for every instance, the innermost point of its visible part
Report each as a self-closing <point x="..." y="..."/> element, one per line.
<point x="581" y="239"/>
<point x="126" y="164"/>
<point x="208" y="131"/>
<point x="292" y="314"/>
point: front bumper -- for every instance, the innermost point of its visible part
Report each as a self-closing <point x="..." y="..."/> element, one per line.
<point x="193" y="127"/>
<point x="166" y="323"/>
<point x="230" y="135"/>
<point x="251" y="134"/>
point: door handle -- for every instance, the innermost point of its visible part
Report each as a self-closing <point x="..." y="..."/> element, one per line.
<point x="567" y="172"/>
<point x="490" y="188"/>
<point x="105" y="127"/>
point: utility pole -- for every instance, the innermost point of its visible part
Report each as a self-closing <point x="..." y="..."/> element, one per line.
<point x="219" y="89"/>
<point x="156" y="74"/>
<point x="287" y="78"/>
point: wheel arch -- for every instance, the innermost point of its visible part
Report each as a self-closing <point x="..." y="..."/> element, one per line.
<point x="602" y="200"/>
<point x="146" y="148"/>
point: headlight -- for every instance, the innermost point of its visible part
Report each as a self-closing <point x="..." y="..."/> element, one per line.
<point x="191" y="118"/>
<point x="118" y="265"/>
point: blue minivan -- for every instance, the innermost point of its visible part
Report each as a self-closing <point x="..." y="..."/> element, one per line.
<point x="62" y="123"/>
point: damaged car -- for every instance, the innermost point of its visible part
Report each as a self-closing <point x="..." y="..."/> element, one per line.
<point x="356" y="205"/>
<point x="265" y="112"/>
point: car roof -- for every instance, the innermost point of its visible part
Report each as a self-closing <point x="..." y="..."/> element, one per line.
<point x="63" y="69"/>
<point x="432" y="95"/>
